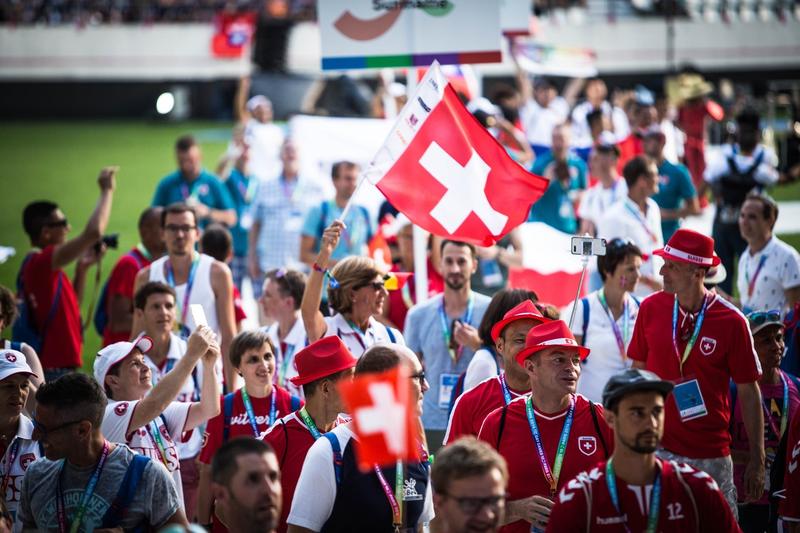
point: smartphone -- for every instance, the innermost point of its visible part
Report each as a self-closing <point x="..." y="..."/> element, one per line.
<point x="588" y="246"/>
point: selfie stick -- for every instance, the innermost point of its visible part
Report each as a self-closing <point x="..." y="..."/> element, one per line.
<point x="585" y="262"/>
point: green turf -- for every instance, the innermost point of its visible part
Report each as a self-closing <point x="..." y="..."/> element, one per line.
<point x="60" y="162"/>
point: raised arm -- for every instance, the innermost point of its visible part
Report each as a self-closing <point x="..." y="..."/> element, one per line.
<point x="72" y="249"/>
<point x="170" y="385"/>
<point x="222" y="282"/>
<point x="309" y="308"/>
<point x="208" y="406"/>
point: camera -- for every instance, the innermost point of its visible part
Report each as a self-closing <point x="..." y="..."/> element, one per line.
<point x="111" y="241"/>
<point x="588" y="246"/>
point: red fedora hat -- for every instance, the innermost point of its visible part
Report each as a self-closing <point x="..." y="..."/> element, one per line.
<point x="322" y="358"/>
<point x="554" y="333"/>
<point x="688" y="246"/>
<point x="525" y="310"/>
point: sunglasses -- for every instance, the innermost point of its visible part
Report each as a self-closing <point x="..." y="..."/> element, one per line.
<point x="375" y="285"/>
<point x="43" y="431"/>
<point x="63" y="223"/>
<point x="758" y="318"/>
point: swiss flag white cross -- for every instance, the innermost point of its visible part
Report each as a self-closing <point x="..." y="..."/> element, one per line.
<point x="382" y="416"/>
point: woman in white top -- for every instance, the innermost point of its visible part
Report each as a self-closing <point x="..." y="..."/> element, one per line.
<point x="356" y="292"/>
<point x="605" y="318"/>
<point x="486" y="363"/>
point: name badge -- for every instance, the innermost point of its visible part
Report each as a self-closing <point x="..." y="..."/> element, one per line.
<point x="447" y="383"/>
<point x="689" y="400"/>
<point x="295" y="221"/>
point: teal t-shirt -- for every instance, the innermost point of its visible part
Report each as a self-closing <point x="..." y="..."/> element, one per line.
<point x="674" y="188"/>
<point x="207" y="189"/>
<point x="555" y="208"/>
<point x="354" y="239"/>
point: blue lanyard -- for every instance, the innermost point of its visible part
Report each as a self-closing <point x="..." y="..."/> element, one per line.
<point x="655" y="497"/>
<point x="695" y="333"/>
<point x="550" y="474"/>
<point x="248" y="407"/>
<point x="87" y="494"/>
<point x="504" y="386"/>
<point x="286" y="356"/>
<point x="189" y="283"/>
<point x="447" y="333"/>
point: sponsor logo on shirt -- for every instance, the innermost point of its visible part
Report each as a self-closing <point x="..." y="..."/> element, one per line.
<point x="121" y="408"/>
<point x="707" y="345"/>
<point x="410" y="491"/>
<point x="587" y="445"/>
<point x="612" y="520"/>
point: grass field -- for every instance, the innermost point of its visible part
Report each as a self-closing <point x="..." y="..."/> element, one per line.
<point x="60" y="162"/>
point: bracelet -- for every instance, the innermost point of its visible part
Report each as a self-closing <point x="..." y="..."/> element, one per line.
<point x="334" y="284"/>
<point x="319" y="269"/>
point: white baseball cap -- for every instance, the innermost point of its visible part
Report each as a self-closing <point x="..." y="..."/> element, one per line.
<point x="114" y="353"/>
<point x="13" y="362"/>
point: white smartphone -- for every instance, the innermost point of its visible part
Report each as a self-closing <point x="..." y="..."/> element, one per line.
<point x="588" y="246"/>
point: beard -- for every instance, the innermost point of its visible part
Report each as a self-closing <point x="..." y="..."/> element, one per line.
<point x="455" y="283"/>
<point x="644" y="443"/>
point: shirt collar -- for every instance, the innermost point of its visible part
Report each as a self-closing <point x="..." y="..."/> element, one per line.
<point x="25" y="430"/>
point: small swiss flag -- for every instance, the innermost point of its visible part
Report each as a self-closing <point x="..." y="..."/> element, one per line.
<point x="383" y="417"/>
<point x="444" y="171"/>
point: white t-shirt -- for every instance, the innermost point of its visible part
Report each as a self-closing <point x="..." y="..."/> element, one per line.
<point x="27" y="451"/>
<point x="202" y="291"/>
<point x="597" y="200"/>
<point x="265" y="142"/>
<point x="538" y="122"/>
<point x="482" y="367"/>
<point x="626" y="221"/>
<point x="766" y="173"/>
<point x="356" y="341"/>
<point x="317" y="484"/>
<point x="190" y="443"/>
<point x="116" y="428"/>
<point x="285" y="367"/>
<point x="582" y="134"/>
<point x="780" y="271"/>
<point x="605" y="359"/>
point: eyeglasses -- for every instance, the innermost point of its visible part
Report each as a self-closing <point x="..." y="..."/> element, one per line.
<point x="63" y="223"/>
<point x="43" y="431"/>
<point x="175" y="228"/>
<point x="757" y="318"/>
<point x="419" y="375"/>
<point x="472" y="506"/>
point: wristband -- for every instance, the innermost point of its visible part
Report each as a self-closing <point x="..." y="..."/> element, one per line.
<point x="319" y="269"/>
<point x="334" y="284"/>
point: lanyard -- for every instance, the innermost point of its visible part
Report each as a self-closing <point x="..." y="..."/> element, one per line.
<point x="751" y="282"/>
<point x="504" y="386"/>
<point x="12" y="455"/>
<point x="288" y="189"/>
<point x="396" y="498"/>
<point x="309" y="422"/>
<point x="87" y="494"/>
<point x="247" y="191"/>
<point x="186" y="193"/>
<point x="634" y="210"/>
<point x="695" y="333"/>
<point x="286" y="356"/>
<point x="655" y="497"/>
<point x="448" y="334"/>
<point x="251" y="416"/>
<point x="550" y="475"/>
<point x="144" y="251"/>
<point x="358" y="333"/>
<point x="784" y="411"/>
<point x="405" y="292"/>
<point x="155" y="436"/>
<point x="189" y="283"/>
<point x="620" y="336"/>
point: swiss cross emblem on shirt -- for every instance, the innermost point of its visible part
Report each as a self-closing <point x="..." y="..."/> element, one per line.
<point x="587" y="445"/>
<point x="707" y="345"/>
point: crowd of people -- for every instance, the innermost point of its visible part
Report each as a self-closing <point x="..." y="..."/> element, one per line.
<point x="665" y="404"/>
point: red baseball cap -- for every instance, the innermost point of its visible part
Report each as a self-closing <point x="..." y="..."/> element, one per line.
<point x="525" y="310"/>
<point x="554" y="333"/>
<point x="688" y="246"/>
<point x="322" y="358"/>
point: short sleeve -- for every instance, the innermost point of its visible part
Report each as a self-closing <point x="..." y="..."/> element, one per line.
<point x="160" y="196"/>
<point x="791" y="272"/>
<point x="122" y="278"/>
<point x="581" y="166"/>
<point x="490" y="427"/>
<point x="276" y="436"/>
<point x="483" y="366"/>
<point x="411" y="332"/>
<point x="24" y="513"/>
<point x="743" y="363"/>
<point x="716" y="514"/>
<point x="222" y="196"/>
<point x="315" y="493"/>
<point x="212" y="439"/>
<point x="117" y="420"/>
<point x="176" y="414"/>
<point x="686" y="190"/>
<point x="312" y="222"/>
<point x="427" y="507"/>
<point x="162" y="499"/>
<point x="637" y="349"/>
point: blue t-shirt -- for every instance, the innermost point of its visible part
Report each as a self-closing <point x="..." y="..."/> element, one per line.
<point x="674" y="187"/>
<point x="242" y="190"/>
<point x="354" y="239"/>
<point x="555" y="208"/>
<point x="207" y="189"/>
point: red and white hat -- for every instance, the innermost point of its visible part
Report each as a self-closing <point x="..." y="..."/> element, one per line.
<point x="115" y="353"/>
<point x="688" y="246"/>
<point x="13" y="362"/>
<point x="552" y="334"/>
<point x="525" y="310"/>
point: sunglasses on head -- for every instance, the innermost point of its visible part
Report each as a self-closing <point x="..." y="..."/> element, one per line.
<point x="757" y="318"/>
<point x="617" y="242"/>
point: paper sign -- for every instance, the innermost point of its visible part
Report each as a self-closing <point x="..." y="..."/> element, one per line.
<point x="198" y="315"/>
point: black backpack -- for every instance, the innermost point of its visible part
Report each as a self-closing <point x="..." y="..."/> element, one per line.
<point x="732" y="187"/>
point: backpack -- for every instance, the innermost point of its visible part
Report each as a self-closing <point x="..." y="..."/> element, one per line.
<point x="127" y="490"/>
<point x="25" y="328"/>
<point x="101" y="313"/>
<point x="733" y="186"/>
<point x="227" y="412"/>
<point x="791" y="357"/>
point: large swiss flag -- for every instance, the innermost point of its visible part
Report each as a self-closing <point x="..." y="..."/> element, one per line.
<point x="448" y="174"/>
